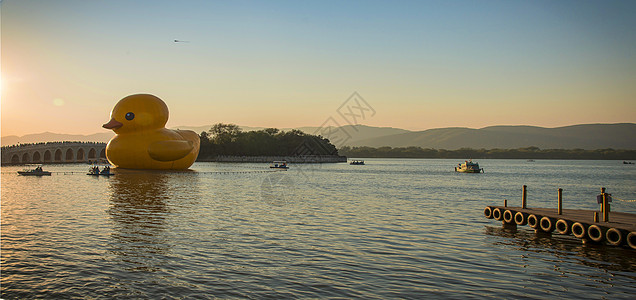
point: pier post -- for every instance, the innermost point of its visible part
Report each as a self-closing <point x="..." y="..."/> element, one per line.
<point x="605" y="208"/>
<point x="560" y="199"/>
<point x="602" y="202"/>
<point x="596" y="217"/>
<point x="505" y="203"/>
<point x="523" y="197"/>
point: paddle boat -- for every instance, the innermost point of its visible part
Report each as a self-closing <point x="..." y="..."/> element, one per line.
<point x="279" y="165"/>
<point x="34" y="172"/>
<point x="468" y="167"/>
<point x="357" y="162"/>
<point x="94" y="171"/>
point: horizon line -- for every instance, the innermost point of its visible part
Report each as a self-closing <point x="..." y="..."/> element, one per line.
<point x="282" y="128"/>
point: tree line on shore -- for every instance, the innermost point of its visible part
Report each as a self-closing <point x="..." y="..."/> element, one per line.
<point x="463" y="153"/>
<point x="229" y="139"/>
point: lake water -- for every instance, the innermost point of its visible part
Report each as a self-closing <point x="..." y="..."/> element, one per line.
<point x="393" y="228"/>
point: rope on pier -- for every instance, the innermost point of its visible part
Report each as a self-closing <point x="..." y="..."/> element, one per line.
<point x="614" y="197"/>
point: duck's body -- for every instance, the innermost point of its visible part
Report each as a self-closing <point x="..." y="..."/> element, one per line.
<point x="161" y="149"/>
<point x="142" y="142"/>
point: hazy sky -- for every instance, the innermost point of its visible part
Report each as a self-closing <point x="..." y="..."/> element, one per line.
<point x="418" y="64"/>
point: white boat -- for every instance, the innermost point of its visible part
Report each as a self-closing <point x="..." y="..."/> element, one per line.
<point x="357" y="162"/>
<point x="279" y="165"/>
<point x="34" y="172"/>
<point x="468" y="167"/>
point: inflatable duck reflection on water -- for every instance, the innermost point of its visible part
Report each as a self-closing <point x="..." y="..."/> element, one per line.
<point x="142" y="141"/>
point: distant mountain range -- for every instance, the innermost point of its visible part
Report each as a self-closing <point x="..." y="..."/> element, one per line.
<point x="585" y="136"/>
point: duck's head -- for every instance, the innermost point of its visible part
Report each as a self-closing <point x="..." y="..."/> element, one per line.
<point x="138" y="113"/>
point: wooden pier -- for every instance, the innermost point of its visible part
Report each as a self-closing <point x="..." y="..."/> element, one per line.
<point x="612" y="228"/>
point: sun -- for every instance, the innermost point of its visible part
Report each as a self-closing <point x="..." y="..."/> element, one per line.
<point x="58" y="102"/>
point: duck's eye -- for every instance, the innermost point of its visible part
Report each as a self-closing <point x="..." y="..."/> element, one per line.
<point x="130" y="116"/>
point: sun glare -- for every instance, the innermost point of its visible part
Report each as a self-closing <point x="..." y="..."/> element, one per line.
<point x="58" y="102"/>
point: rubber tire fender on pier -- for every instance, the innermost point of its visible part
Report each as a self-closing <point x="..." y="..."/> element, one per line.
<point x="563" y="226"/>
<point x="547" y="224"/>
<point x="615" y="236"/>
<point x="579" y="229"/>
<point x="596" y="233"/>
<point x="521" y="218"/>
<point x="488" y="212"/>
<point x="631" y="239"/>
<point x="509" y="216"/>
<point x="534" y="220"/>
<point x="497" y="214"/>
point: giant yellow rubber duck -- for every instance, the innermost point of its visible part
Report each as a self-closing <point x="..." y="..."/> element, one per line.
<point x="142" y="141"/>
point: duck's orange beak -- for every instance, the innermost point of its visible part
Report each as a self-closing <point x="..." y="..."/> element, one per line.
<point x="112" y="124"/>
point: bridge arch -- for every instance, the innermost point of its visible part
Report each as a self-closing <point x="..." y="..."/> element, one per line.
<point x="80" y="155"/>
<point x="47" y="156"/>
<point x="92" y="154"/>
<point x="15" y="159"/>
<point x="25" y="158"/>
<point x="58" y="155"/>
<point x="69" y="155"/>
<point x="37" y="157"/>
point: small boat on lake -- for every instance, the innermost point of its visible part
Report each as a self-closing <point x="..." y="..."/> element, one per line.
<point x="94" y="171"/>
<point x="627" y="162"/>
<point x="37" y="171"/>
<point x="468" y="167"/>
<point x="279" y="165"/>
<point x="357" y="162"/>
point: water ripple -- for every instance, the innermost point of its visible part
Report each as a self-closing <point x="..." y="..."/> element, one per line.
<point x="407" y="229"/>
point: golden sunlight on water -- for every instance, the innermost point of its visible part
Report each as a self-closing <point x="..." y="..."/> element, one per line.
<point x="389" y="229"/>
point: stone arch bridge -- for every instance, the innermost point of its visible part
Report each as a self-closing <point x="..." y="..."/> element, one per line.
<point x="54" y="153"/>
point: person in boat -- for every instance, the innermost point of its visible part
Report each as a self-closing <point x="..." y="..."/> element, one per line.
<point x="106" y="170"/>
